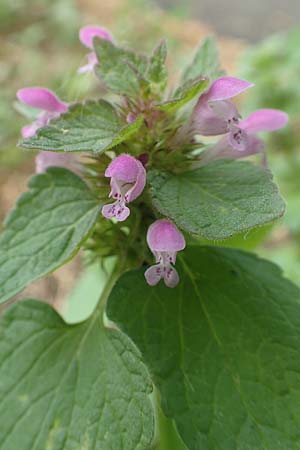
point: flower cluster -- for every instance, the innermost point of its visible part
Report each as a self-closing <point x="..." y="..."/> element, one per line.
<point x="214" y="114"/>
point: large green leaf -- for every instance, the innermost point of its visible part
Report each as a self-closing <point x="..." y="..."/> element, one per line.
<point x="217" y="200"/>
<point x="121" y="70"/>
<point x="206" y="61"/>
<point x="45" y="229"/>
<point x="223" y="348"/>
<point x="93" y="126"/>
<point x="79" y="387"/>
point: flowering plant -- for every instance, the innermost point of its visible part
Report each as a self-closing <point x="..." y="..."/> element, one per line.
<point x="204" y="355"/>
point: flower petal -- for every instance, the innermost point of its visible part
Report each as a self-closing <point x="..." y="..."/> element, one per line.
<point x="264" y="120"/>
<point x="153" y="274"/>
<point x="116" y="210"/>
<point x="45" y="159"/>
<point x="238" y="139"/>
<point x="226" y="87"/>
<point x="204" y="121"/>
<point x="41" y="98"/>
<point x="92" y="61"/>
<point x="164" y="236"/>
<point x="29" y="130"/>
<point x="224" y="149"/>
<point x="87" y="34"/>
<point x="139" y="185"/>
<point x="171" y="277"/>
<point x="123" y="167"/>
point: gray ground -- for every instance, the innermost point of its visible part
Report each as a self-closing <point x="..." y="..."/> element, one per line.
<point x="251" y="19"/>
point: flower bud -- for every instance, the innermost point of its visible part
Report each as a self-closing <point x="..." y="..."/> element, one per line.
<point x="127" y="180"/>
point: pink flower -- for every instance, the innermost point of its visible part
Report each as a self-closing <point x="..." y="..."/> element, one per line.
<point x="259" y="121"/>
<point x="45" y="100"/>
<point x="86" y="36"/>
<point x="215" y="114"/>
<point x="55" y="159"/>
<point x="164" y="240"/>
<point x="130" y="118"/>
<point x="127" y="181"/>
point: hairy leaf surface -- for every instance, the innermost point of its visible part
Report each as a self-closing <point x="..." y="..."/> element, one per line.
<point x="45" y="229"/>
<point x="217" y="200"/>
<point x="223" y="348"/>
<point x="93" y="126"/>
<point x="80" y="387"/>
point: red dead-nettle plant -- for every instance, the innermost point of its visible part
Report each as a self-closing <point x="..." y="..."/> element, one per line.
<point x="204" y="355"/>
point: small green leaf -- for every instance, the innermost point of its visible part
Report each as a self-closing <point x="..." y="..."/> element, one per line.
<point x="184" y="94"/>
<point x="79" y="387"/>
<point x="223" y="348"/>
<point x="218" y="200"/>
<point x="120" y="69"/>
<point x="93" y="126"/>
<point x="157" y="71"/>
<point x="206" y="62"/>
<point x="45" y="229"/>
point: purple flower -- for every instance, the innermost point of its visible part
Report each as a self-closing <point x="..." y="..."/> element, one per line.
<point x="55" y="159"/>
<point x="164" y="240"/>
<point x="127" y="181"/>
<point x="259" y="121"/>
<point x="86" y="36"/>
<point x="130" y="118"/>
<point x="45" y="100"/>
<point x="215" y="114"/>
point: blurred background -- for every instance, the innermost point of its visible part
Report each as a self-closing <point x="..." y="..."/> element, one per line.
<point x="258" y="41"/>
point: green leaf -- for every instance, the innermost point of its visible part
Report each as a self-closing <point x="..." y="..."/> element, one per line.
<point x="85" y="295"/>
<point x="184" y="94"/>
<point x="46" y="228"/>
<point x="157" y="71"/>
<point x="93" y="126"/>
<point x="218" y="200"/>
<point x="70" y="387"/>
<point x="120" y="69"/>
<point x="206" y="62"/>
<point x="223" y="348"/>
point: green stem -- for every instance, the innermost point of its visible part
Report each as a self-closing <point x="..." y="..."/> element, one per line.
<point x="117" y="271"/>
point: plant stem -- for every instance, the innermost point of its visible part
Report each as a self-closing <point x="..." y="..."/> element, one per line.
<point x="117" y="271"/>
